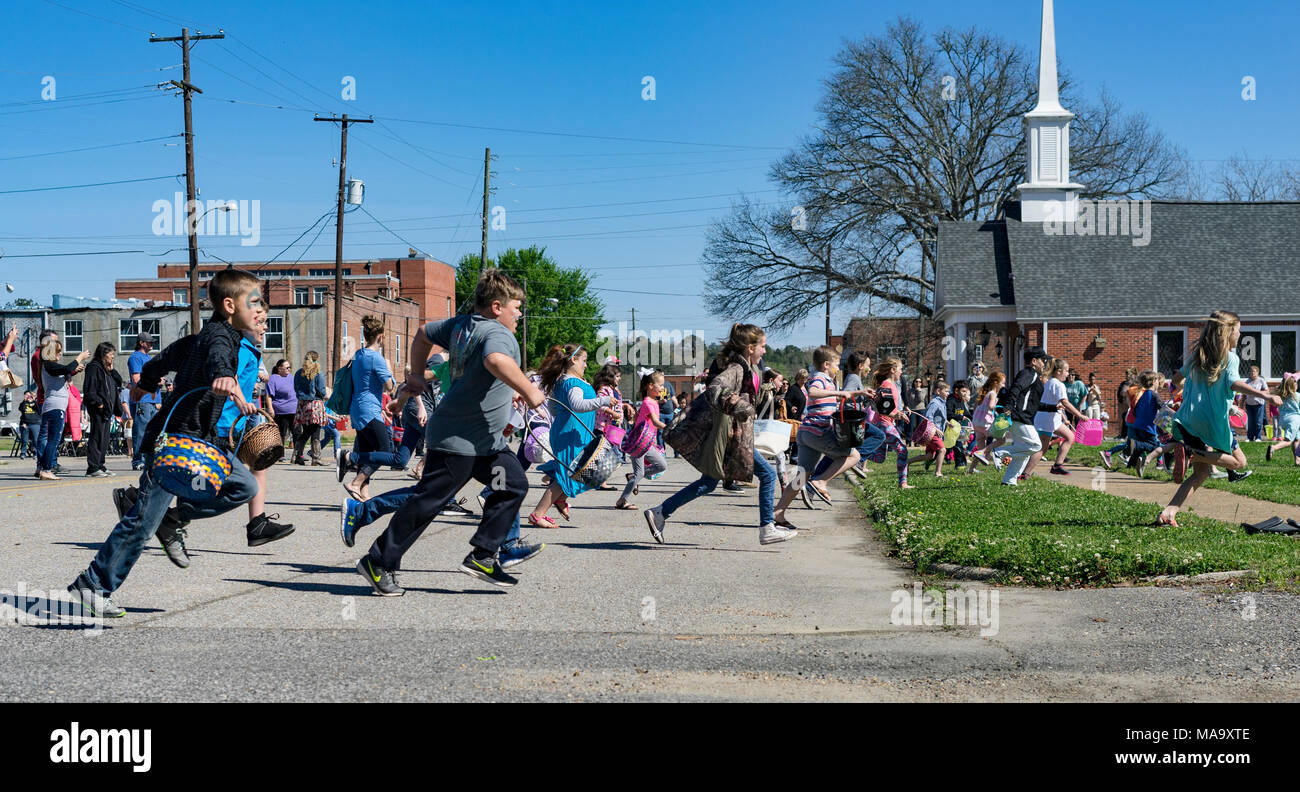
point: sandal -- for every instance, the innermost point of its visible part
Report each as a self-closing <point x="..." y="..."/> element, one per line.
<point x="622" y="504"/>
<point x="542" y="521"/>
<point x="354" y="493"/>
<point x="562" y="506"/>
<point x="823" y="495"/>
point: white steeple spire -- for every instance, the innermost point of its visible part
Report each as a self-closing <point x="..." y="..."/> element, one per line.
<point x="1048" y="194"/>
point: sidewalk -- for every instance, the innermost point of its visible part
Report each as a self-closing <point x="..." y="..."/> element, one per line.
<point x="1215" y="504"/>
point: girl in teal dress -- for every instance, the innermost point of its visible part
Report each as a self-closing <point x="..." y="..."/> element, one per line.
<point x="573" y="404"/>
<point x="1288" y="418"/>
<point x="1201" y="423"/>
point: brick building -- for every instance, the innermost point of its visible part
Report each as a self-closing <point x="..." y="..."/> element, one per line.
<point x="428" y="283"/>
<point x="897" y="336"/>
<point x="1110" y="285"/>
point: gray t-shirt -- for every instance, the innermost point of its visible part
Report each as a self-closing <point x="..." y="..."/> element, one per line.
<point x="475" y="408"/>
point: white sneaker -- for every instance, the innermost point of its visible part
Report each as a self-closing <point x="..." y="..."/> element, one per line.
<point x="654" y="517"/>
<point x="770" y="534"/>
<point x="1218" y="474"/>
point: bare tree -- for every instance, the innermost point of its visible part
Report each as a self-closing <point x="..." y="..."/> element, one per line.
<point x="914" y="131"/>
<point x="1240" y="178"/>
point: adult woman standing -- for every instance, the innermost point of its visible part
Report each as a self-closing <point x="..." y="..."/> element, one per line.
<point x="977" y="377"/>
<point x="56" y="378"/>
<point x="284" y="403"/>
<point x="915" y="398"/>
<point x="100" y="397"/>
<point x="371" y="379"/>
<point x="796" y="397"/>
<point x="731" y="392"/>
<point x="309" y="388"/>
<point x="573" y="403"/>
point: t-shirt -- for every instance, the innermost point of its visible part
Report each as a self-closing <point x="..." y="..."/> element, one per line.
<point x="250" y="361"/>
<point x="1259" y="383"/>
<point x="649" y="407"/>
<point x="476" y="406"/>
<point x="1076" y="392"/>
<point x="369" y="375"/>
<point x="1205" y="405"/>
<point x="817" y="413"/>
<point x="1145" y="410"/>
<point x="284" y="399"/>
<point x="1045" y="420"/>
<point x="890" y="391"/>
<point x="134" y="365"/>
<point x="30" y="412"/>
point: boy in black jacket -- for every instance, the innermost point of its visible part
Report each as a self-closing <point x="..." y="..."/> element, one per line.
<point x="209" y="358"/>
<point x="1022" y="404"/>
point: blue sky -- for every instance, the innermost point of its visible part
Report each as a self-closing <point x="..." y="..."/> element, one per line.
<point x="736" y="85"/>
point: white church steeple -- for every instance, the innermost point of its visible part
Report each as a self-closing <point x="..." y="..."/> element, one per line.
<point x="1048" y="194"/>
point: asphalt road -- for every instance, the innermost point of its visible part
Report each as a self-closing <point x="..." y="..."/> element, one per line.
<point x="602" y="614"/>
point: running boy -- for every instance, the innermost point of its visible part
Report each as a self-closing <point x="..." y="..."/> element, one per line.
<point x="1022" y="406"/>
<point x="467" y="439"/>
<point x="209" y="358"/>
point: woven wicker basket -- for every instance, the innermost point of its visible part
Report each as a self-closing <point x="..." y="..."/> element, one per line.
<point x="260" y="445"/>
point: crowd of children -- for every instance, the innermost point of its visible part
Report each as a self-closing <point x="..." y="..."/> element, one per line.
<point x="580" y="432"/>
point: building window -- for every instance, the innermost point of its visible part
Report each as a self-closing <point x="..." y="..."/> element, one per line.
<point x="1251" y="350"/>
<point x="181" y="296"/>
<point x="1282" y="355"/>
<point x="1171" y="350"/>
<point x="448" y="307"/>
<point x="320" y="294"/>
<point x="397" y="349"/>
<point x="300" y="295"/>
<point x="899" y="352"/>
<point x="72" y="341"/>
<point x="128" y="329"/>
<point x="274" y="333"/>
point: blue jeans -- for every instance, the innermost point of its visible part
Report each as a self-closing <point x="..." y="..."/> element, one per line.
<point x="141" y="414"/>
<point x="331" y="434"/>
<point x="127" y="541"/>
<point x="875" y="438"/>
<point x="373" y="448"/>
<point x="412" y="432"/>
<point x="47" y="441"/>
<point x="1254" y="422"/>
<point x="27" y="438"/>
<point x="706" y="484"/>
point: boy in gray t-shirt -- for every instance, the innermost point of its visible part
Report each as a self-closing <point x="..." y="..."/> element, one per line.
<point x="465" y="439"/>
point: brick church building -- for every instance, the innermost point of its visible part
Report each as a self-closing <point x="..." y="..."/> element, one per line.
<point x="1110" y="285"/>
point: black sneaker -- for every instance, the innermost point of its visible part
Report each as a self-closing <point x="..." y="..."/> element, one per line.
<point x="341" y="463"/>
<point x="172" y="536"/>
<point x="261" y="529"/>
<point x="732" y="486"/>
<point x="93" y="600"/>
<point x="1237" y="475"/>
<point x="381" y="580"/>
<point x="488" y="570"/>
<point x="455" y="507"/>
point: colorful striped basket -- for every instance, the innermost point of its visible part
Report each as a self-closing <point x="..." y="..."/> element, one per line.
<point x="186" y="466"/>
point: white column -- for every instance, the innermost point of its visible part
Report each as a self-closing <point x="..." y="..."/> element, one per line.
<point x="959" y="365"/>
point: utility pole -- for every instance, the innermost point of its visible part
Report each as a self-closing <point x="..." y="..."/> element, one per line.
<point x="337" y="356"/>
<point x="487" y="188"/>
<point x="191" y="207"/>
<point x="524" y="351"/>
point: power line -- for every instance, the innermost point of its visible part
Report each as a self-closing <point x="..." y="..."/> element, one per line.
<point x="576" y="134"/>
<point x="363" y="142"/>
<point x="409" y="244"/>
<point x="91" y="148"/>
<point x="95" y="184"/>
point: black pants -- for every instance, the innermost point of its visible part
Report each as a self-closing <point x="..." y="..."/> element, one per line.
<point x="285" y="424"/>
<point x="444" y="475"/>
<point x="96" y="442"/>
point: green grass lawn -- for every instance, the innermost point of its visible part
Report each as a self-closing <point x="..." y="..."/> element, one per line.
<point x="1047" y="534"/>
<point x="1277" y="481"/>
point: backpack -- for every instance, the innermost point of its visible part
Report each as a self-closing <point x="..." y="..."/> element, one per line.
<point x="341" y="399"/>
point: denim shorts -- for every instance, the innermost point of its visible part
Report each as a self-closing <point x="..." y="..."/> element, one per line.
<point x="812" y="447"/>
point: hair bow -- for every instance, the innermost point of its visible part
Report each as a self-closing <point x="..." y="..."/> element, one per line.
<point x="1292" y="375"/>
<point x="644" y="372"/>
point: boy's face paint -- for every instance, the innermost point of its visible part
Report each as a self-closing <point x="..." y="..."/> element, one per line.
<point x="250" y="311"/>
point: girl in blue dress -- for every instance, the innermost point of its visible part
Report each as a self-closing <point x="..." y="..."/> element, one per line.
<point x="573" y="404"/>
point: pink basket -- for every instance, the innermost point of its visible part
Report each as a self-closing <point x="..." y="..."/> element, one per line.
<point x="614" y="434"/>
<point x="1237" y="421"/>
<point x="1088" y="432"/>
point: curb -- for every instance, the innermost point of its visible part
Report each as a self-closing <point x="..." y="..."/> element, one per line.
<point x="959" y="572"/>
<point x="1208" y="577"/>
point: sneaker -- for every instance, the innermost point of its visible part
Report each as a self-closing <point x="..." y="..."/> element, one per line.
<point x="979" y="457"/>
<point x="455" y="507"/>
<point x="1142" y="466"/>
<point x="803" y="496"/>
<point x="490" y="572"/>
<point x="1022" y="477"/>
<point x="1105" y="459"/>
<point x="98" y="603"/>
<point x="341" y="463"/>
<point x="655" y="519"/>
<point x="96" y="474"/>
<point x="771" y="534"/>
<point x="482" y="502"/>
<point x="732" y="486"/>
<point x="107" y="472"/>
<point x="517" y="552"/>
<point x="46" y="475"/>
<point x="172" y="536"/>
<point x="1058" y="470"/>
<point x="1234" y="475"/>
<point x="1160" y="464"/>
<point x="263" y="529"/>
<point x="1219" y="474"/>
<point x="382" y="581"/>
<point x="348" y="521"/>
